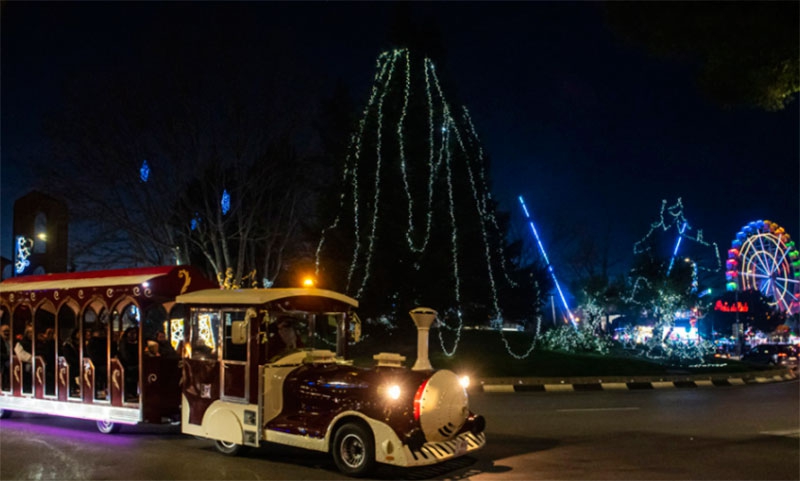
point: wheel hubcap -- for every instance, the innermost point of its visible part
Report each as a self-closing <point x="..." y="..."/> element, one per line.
<point x="352" y="450"/>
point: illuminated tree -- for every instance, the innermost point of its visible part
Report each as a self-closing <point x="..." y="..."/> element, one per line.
<point x="415" y="218"/>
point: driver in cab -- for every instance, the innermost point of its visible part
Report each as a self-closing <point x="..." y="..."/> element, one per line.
<point x="285" y="341"/>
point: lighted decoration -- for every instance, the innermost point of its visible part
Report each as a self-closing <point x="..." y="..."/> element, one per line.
<point x="763" y="257"/>
<point x="677" y="246"/>
<point x="664" y="304"/>
<point x="195" y="223"/>
<point x="23" y="248"/>
<point x="144" y="171"/>
<point x="547" y="262"/>
<point x="446" y="137"/>
<point x="731" y="307"/>
<point x="205" y="332"/>
<point x="674" y="218"/>
<point x="677" y="220"/>
<point x="225" y="203"/>
<point x="176" y="331"/>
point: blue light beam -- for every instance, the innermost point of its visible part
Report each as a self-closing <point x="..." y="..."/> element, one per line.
<point x="677" y="245"/>
<point x="547" y="261"/>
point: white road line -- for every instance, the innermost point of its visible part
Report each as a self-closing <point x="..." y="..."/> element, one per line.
<point x="596" y="409"/>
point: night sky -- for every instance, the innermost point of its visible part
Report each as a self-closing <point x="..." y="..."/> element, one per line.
<point x="595" y="132"/>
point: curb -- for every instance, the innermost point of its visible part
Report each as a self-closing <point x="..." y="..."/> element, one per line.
<point x="629" y="383"/>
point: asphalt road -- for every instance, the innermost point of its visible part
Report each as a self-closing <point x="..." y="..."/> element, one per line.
<point x="732" y="433"/>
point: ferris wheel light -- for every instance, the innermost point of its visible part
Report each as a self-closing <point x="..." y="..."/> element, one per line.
<point x="764" y="259"/>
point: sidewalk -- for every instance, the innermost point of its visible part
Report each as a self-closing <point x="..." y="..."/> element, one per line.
<point x="616" y="383"/>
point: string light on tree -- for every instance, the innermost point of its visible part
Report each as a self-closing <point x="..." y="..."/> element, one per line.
<point x="664" y="302"/>
<point x="450" y="152"/>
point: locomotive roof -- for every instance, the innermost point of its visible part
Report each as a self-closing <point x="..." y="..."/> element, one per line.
<point x="258" y="296"/>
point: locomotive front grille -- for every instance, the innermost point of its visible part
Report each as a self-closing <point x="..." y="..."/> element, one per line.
<point x="435" y="452"/>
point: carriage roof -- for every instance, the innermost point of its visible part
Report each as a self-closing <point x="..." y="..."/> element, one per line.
<point x="107" y="278"/>
<point x="259" y="296"/>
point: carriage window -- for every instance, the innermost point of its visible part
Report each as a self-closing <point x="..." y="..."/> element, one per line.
<point x="235" y="350"/>
<point x="204" y="334"/>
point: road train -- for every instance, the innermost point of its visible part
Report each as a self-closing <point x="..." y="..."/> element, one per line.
<point x="238" y="367"/>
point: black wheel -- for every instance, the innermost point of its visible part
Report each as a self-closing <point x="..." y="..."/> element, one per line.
<point x="354" y="449"/>
<point x="5" y="414"/>
<point x="107" y="427"/>
<point x="229" y="449"/>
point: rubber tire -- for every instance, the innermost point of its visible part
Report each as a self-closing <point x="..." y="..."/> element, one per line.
<point x="230" y="449"/>
<point x="107" y="427"/>
<point x="353" y="450"/>
<point x="5" y="414"/>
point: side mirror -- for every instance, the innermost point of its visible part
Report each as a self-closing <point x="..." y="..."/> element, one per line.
<point x="239" y="332"/>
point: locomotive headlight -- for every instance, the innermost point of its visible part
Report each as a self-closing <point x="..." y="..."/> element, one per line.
<point x="464" y="381"/>
<point x="392" y="392"/>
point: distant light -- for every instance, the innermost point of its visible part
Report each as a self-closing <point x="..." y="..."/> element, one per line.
<point x="144" y="171"/>
<point x="308" y="282"/>
<point x="464" y="381"/>
<point x="226" y="202"/>
<point x="41" y="236"/>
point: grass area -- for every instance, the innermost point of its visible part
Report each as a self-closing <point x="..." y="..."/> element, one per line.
<point x="486" y="354"/>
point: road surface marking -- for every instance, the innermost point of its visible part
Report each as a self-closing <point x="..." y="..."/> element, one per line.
<point x="596" y="409"/>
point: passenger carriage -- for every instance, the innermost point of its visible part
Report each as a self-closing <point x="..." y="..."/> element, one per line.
<point x="256" y="365"/>
<point x="96" y="309"/>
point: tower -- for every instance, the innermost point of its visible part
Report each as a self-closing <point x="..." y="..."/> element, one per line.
<point x="40" y="235"/>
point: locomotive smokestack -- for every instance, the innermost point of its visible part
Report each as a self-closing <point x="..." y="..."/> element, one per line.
<point x="423" y="317"/>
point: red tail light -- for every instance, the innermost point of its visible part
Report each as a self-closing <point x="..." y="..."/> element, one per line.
<point x="418" y="400"/>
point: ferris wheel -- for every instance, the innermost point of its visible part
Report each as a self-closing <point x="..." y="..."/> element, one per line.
<point x="763" y="257"/>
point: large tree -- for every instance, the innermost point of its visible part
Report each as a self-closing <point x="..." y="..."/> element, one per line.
<point x="416" y="224"/>
<point x="744" y="53"/>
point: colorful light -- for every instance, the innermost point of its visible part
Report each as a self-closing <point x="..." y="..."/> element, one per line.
<point x="762" y="257"/>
